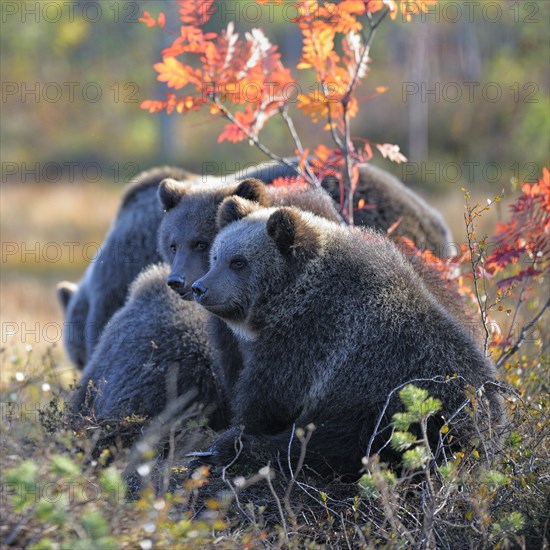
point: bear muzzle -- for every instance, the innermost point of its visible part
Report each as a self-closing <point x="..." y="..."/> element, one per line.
<point x="199" y="290"/>
<point x="178" y="284"/>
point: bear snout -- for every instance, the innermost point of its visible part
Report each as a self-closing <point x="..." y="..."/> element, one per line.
<point x="177" y="284"/>
<point x="199" y="290"/>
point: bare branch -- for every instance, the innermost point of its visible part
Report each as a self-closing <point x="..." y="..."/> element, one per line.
<point x="291" y="128"/>
<point x="336" y="138"/>
<point x="277" y="501"/>
<point x="373" y="26"/>
<point x="474" y="264"/>
<point x="273" y="156"/>
<point x="523" y="334"/>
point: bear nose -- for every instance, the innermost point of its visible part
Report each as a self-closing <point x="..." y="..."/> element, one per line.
<point x="199" y="290"/>
<point x="175" y="282"/>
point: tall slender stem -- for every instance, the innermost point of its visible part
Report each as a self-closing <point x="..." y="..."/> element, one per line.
<point x="273" y="156"/>
<point x="312" y="178"/>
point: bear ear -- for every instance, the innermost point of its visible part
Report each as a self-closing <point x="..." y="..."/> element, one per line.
<point x="65" y="291"/>
<point x="291" y="233"/>
<point x="252" y="190"/>
<point x="234" y="208"/>
<point x="170" y="193"/>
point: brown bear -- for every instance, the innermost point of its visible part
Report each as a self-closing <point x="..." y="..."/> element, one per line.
<point x="153" y="348"/>
<point x="188" y="230"/>
<point x="388" y="202"/>
<point x="129" y="246"/>
<point x="330" y="321"/>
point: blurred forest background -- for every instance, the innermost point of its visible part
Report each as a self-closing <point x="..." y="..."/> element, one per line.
<point x="467" y="102"/>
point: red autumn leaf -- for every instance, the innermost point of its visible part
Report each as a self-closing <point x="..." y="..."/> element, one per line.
<point x="232" y="132"/>
<point x="283" y="182"/>
<point x="526" y="273"/>
<point x="523" y="243"/>
<point x="148" y="19"/>
<point x="368" y="150"/>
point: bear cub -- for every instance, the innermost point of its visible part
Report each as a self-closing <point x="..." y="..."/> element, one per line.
<point x="329" y="322"/>
<point x="128" y="247"/>
<point x="152" y="350"/>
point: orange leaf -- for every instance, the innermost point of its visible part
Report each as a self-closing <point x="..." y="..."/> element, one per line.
<point x="189" y="103"/>
<point x="344" y="19"/>
<point x="196" y="12"/>
<point x="323" y="153"/>
<point x="153" y="106"/>
<point x="174" y="73"/>
<point x="318" y="46"/>
<point x="148" y="19"/>
<point x="313" y="105"/>
<point x="302" y="159"/>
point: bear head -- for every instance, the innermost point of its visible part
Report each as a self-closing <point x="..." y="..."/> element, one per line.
<point x="256" y="255"/>
<point x="189" y="226"/>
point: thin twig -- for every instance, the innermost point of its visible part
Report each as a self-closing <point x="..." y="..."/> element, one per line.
<point x="516" y="310"/>
<point x="429" y="514"/>
<point x="304" y="443"/>
<point x="291" y="128"/>
<point x="474" y="264"/>
<point x="313" y="180"/>
<point x="277" y="501"/>
<point x="364" y="54"/>
<point x="273" y="156"/>
<point x="347" y="148"/>
<point x="523" y="335"/>
<point x="336" y="138"/>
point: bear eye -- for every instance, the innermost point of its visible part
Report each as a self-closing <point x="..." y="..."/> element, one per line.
<point x="237" y="263"/>
<point x="173" y="248"/>
<point x="200" y="246"/>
